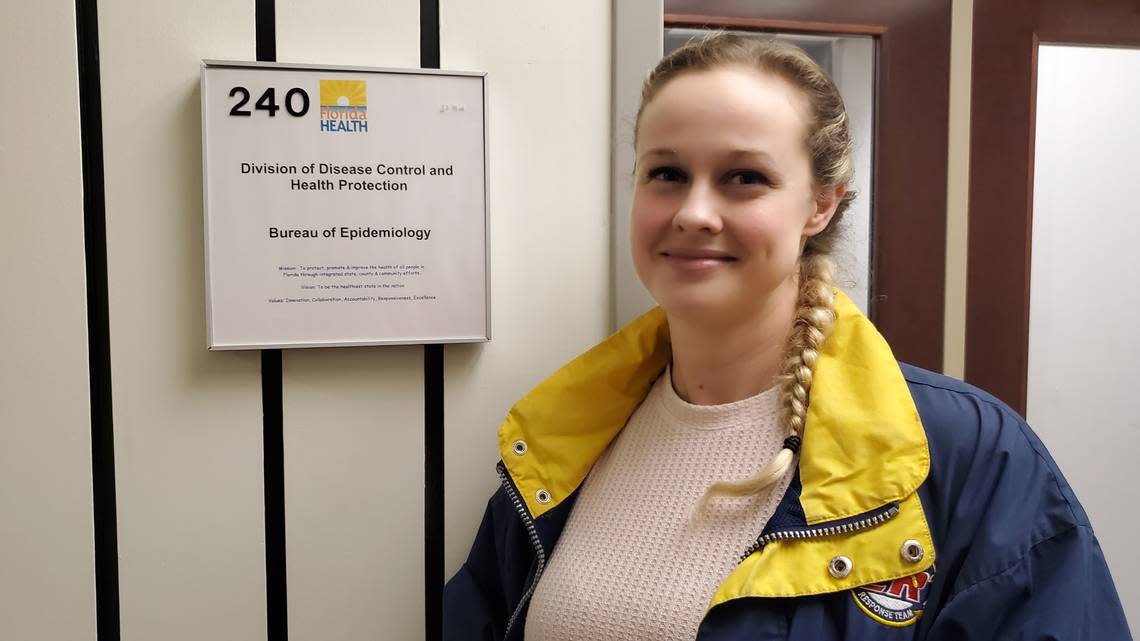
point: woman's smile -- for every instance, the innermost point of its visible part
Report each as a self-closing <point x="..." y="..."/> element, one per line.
<point x="697" y="260"/>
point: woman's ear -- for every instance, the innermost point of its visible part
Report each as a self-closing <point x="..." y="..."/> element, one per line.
<point x="826" y="202"/>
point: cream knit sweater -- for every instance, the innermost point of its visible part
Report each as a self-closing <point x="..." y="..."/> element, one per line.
<point x="637" y="560"/>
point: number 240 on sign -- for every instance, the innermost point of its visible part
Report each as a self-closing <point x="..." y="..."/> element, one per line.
<point x="296" y="102"/>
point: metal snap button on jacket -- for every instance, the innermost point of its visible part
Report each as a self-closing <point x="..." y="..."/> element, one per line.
<point x="543" y="496"/>
<point x="839" y="567"/>
<point x="912" y="551"/>
<point x="519" y="447"/>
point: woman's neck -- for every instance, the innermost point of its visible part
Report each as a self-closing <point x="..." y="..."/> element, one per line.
<point x="713" y="365"/>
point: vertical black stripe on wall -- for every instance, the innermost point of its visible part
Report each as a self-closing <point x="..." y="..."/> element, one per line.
<point x="104" y="508"/>
<point x="276" y="602"/>
<point x="265" y="18"/>
<point x="273" y="438"/>
<point x="433" y="491"/>
<point x="433" y="405"/>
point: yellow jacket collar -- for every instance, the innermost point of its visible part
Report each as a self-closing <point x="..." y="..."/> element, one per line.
<point x="864" y="445"/>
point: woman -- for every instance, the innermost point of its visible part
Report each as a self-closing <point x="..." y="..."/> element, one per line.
<point x="749" y="461"/>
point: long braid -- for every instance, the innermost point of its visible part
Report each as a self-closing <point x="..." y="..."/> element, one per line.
<point x="815" y="314"/>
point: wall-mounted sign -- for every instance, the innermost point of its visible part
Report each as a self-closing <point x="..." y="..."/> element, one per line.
<point x="343" y="206"/>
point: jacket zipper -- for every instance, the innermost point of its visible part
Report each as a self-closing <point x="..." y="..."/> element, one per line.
<point x="540" y="554"/>
<point x="870" y="520"/>
<point x="873" y="519"/>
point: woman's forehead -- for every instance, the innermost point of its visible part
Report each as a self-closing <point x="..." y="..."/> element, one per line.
<point x="738" y="107"/>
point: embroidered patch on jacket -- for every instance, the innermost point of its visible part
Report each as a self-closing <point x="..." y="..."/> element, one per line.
<point x="895" y="603"/>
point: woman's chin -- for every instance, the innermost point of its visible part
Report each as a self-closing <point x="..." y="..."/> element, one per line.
<point x="699" y="307"/>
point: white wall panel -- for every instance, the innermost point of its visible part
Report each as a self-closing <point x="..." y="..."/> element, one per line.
<point x="1083" y="343"/>
<point x="349" y="32"/>
<point x="638" y="44"/>
<point x="47" y="559"/>
<point x="548" y="88"/>
<point x="354" y="479"/>
<point x="853" y="61"/>
<point x="354" y="417"/>
<point x="187" y="422"/>
<point x="958" y="187"/>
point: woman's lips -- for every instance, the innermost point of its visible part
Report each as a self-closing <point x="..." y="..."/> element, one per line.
<point x="697" y="260"/>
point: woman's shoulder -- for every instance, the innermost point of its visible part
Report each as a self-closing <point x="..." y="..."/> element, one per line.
<point x="948" y="393"/>
<point x="1005" y="522"/>
<point x="967" y="426"/>
<point x="960" y="416"/>
<point x="988" y="465"/>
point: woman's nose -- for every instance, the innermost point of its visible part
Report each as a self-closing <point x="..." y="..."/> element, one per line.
<point x="699" y="210"/>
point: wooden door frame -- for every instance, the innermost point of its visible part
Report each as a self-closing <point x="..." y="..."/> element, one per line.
<point x="909" y="156"/>
<point x="1003" y="119"/>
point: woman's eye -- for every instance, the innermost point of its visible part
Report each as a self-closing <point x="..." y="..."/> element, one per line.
<point x="668" y="174"/>
<point x="748" y="177"/>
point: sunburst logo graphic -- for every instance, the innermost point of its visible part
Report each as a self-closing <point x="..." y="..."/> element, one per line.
<point x="344" y="93"/>
<point x="344" y="106"/>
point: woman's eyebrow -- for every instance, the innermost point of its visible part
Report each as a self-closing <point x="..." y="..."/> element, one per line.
<point x="736" y="155"/>
<point x="756" y="153"/>
<point x="759" y="154"/>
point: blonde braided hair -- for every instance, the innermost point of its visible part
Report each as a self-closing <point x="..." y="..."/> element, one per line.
<point x="815" y="313"/>
<point x="829" y="145"/>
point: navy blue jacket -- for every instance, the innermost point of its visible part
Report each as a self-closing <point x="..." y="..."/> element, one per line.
<point x="1000" y="548"/>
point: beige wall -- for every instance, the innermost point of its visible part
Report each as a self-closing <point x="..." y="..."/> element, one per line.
<point x="47" y="587"/>
<point x="958" y="187"/>
<point x="188" y="446"/>
<point x="188" y="422"/>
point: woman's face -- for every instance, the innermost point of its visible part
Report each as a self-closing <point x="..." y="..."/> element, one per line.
<point x="724" y="197"/>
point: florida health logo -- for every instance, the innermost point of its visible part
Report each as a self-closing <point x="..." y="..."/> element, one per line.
<point x="895" y="603"/>
<point x="344" y="105"/>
